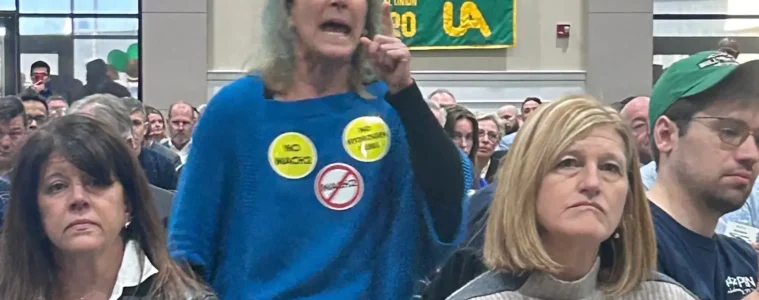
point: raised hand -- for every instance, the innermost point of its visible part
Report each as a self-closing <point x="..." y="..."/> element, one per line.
<point x="390" y="57"/>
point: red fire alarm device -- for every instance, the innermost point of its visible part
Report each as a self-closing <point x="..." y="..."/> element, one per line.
<point x="562" y="31"/>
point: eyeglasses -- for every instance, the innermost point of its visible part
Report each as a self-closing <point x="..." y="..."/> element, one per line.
<point x="491" y="135"/>
<point x="38" y="118"/>
<point x="730" y="131"/>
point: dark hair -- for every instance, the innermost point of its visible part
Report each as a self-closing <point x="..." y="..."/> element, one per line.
<point x="739" y="87"/>
<point x="27" y="263"/>
<point x="456" y="113"/>
<point x="441" y="91"/>
<point x="40" y="64"/>
<point x="11" y="107"/>
<point x="34" y="97"/>
<point x="534" y="99"/>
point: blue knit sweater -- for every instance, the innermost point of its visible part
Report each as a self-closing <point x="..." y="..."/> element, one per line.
<point x="258" y="235"/>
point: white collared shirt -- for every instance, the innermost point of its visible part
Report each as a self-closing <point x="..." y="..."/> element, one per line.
<point x="131" y="274"/>
<point x="484" y="171"/>
<point x="182" y="153"/>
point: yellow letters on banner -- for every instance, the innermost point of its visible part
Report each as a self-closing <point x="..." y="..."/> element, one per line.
<point x="404" y="24"/>
<point x="471" y="18"/>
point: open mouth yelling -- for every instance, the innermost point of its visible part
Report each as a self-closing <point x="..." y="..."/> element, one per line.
<point x="335" y="27"/>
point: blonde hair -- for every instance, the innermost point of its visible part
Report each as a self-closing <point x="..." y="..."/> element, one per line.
<point x="512" y="241"/>
<point x="277" y="60"/>
<point x="495" y="119"/>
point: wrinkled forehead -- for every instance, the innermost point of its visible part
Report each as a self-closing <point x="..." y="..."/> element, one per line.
<point x="637" y="108"/>
<point x="507" y="110"/>
<point x="181" y="109"/>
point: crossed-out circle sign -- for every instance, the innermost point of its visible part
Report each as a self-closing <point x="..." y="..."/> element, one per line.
<point x="339" y="186"/>
<point x="367" y="139"/>
<point x="292" y="155"/>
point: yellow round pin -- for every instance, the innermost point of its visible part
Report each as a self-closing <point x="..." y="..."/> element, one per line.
<point x="367" y="139"/>
<point x="292" y="155"/>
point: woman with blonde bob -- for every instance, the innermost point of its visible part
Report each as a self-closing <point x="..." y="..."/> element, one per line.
<point x="570" y="219"/>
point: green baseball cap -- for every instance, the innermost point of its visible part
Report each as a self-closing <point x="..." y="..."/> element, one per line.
<point x="688" y="77"/>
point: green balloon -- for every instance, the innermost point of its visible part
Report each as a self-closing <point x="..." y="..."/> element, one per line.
<point x="119" y="59"/>
<point x="133" y="51"/>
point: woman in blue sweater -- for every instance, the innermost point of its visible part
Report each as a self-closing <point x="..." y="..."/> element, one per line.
<point x="324" y="188"/>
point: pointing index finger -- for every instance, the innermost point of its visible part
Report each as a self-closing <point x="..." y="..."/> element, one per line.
<point x="387" y="20"/>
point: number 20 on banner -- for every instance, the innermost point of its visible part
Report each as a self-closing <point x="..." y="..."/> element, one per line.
<point x="405" y="24"/>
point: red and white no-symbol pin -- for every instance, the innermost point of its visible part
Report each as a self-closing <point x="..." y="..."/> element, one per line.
<point x="339" y="186"/>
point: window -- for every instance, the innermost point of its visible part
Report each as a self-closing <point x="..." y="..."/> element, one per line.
<point x="106" y="6"/>
<point x="46" y="6"/>
<point x="713" y="28"/>
<point x="44" y="26"/>
<point x="691" y="7"/>
<point x="109" y="26"/>
<point x="8" y="5"/>
<point x="684" y="27"/>
<point x="68" y="34"/>
<point x="87" y="50"/>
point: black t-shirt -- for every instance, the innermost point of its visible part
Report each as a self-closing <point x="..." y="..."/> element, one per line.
<point x="716" y="268"/>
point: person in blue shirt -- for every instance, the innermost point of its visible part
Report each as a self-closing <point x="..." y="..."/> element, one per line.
<point x="529" y="105"/>
<point x="703" y="112"/>
<point x="747" y="215"/>
<point x="324" y="187"/>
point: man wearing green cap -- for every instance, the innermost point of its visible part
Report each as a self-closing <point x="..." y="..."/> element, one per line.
<point x="704" y="114"/>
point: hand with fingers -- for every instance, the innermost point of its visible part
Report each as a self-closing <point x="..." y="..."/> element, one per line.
<point x="390" y="57"/>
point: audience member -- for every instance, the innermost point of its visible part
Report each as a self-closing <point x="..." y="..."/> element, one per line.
<point x="510" y="116"/>
<point x="36" y="110"/>
<point x="98" y="81"/>
<point x="529" y="105"/>
<point x="442" y="97"/>
<point x="12" y="134"/>
<point x="156" y="133"/>
<point x="140" y="126"/>
<point x="703" y="112"/>
<point x="57" y="106"/>
<point x="114" y="111"/>
<point x="83" y="225"/>
<point x="490" y="130"/>
<point x="635" y="112"/>
<point x="579" y="228"/>
<point x="181" y="123"/>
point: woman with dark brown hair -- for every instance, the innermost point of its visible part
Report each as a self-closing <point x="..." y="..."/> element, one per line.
<point x="463" y="128"/>
<point x="83" y="224"/>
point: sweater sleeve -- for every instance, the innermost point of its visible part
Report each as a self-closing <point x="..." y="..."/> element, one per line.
<point x="204" y="189"/>
<point x="435" y="160"/>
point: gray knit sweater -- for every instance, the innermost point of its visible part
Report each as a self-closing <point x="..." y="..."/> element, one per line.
<point x="498" y="286"/>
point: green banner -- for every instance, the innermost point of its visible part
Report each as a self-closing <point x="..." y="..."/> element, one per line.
<point x="455" y="24"/>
